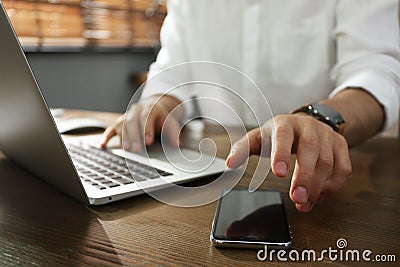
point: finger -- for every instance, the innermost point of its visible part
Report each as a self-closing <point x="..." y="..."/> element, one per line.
<point x="282" y="142"/>
<point x="164" y="123"/>
<point x="308" y="150"/>
<point x="148" y="120"/>
<point x="247" y="145"/>
<point x="306" y="207"/>
<point x="342" y="168"/>
<point x="111" y="131"/>
<point x="170" y="128"/>
<point x="132" y="136"/>
<point x="107" y="135"/>
<point x="322" y="171"/>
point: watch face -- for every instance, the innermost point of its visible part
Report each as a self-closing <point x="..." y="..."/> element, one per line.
<point x="329" y="116"/>
<point x="324" y="114"/>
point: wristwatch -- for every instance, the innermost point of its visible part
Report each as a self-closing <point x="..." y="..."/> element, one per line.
<point x="324" y="114"/>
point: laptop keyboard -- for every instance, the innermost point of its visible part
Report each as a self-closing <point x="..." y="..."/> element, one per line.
<point x="103" y="169"/>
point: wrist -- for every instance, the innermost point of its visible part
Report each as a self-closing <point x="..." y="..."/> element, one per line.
<point x="325" y="114"/>
<point x="168" y="103"/>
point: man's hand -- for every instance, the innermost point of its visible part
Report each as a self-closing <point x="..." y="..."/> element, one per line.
<point x="144" y="121"/>
<point x="322" y="157"/>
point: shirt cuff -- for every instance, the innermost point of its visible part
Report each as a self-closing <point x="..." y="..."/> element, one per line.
<point x="379" y="86"/>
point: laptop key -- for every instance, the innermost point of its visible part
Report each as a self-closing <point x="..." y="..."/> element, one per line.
<point x="104" y="170"/>
<point x="101" y="180"/>
<point x="152" y="175"/>
<point x="98" y="186"/>
<point x="138" y="177"/>
<point x="119" y="180"/>
<point x="164" y="173"/>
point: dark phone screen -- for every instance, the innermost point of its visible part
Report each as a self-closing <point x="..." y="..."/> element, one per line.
<point x="257" y="216"/>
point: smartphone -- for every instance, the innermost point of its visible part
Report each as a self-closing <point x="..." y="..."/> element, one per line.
<point x="251" y="220"/>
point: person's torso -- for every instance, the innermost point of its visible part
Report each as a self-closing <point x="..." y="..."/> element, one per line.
<point x="286" y="47"/>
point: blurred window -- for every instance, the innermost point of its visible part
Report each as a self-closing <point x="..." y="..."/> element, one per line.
<point x="82" y="23"/>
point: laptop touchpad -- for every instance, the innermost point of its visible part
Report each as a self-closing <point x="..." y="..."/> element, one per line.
<point x="184" y="159"/>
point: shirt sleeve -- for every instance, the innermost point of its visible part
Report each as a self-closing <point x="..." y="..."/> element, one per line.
<point x="168" y="71"/>
<point x="368" y="54"/>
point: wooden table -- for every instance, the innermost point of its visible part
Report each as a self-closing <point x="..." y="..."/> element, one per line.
<point x="40" y="226"/>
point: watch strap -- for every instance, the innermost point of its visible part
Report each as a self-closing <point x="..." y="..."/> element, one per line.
<point x="325" y="114"/>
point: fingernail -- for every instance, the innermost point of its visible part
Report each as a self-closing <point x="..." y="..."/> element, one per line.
<point x="281" y="168"/>
<point x="306" y="207"/>
<point x="229" y="157"/>
<point x="228" y="160"/>
<point x="126" y="145"/>
<point x="148" y="139"/>
<point x="300" y="195"/>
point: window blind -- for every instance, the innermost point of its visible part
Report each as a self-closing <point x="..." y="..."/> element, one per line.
<point x="114" y="23"/>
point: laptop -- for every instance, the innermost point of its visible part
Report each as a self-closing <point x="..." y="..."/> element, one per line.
<point x="30" y="138"/>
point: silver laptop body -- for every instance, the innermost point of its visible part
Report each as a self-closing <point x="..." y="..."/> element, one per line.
<point x="29" y="136"/>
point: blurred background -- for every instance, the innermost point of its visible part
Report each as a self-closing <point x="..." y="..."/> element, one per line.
<point x="89" y="54"/>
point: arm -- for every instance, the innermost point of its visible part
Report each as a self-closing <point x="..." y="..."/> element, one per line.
<point x="173" y="52"/>
<point x="363" y="114"/>
<point x="143" y="121"/>
<point x="368" y="58"/>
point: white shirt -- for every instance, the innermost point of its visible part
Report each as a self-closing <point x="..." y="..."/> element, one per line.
<point x="295" y="51"/>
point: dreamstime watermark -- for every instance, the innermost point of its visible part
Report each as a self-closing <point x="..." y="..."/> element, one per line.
<point x="226" y="97"/>
<point x="340" y="253"/>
